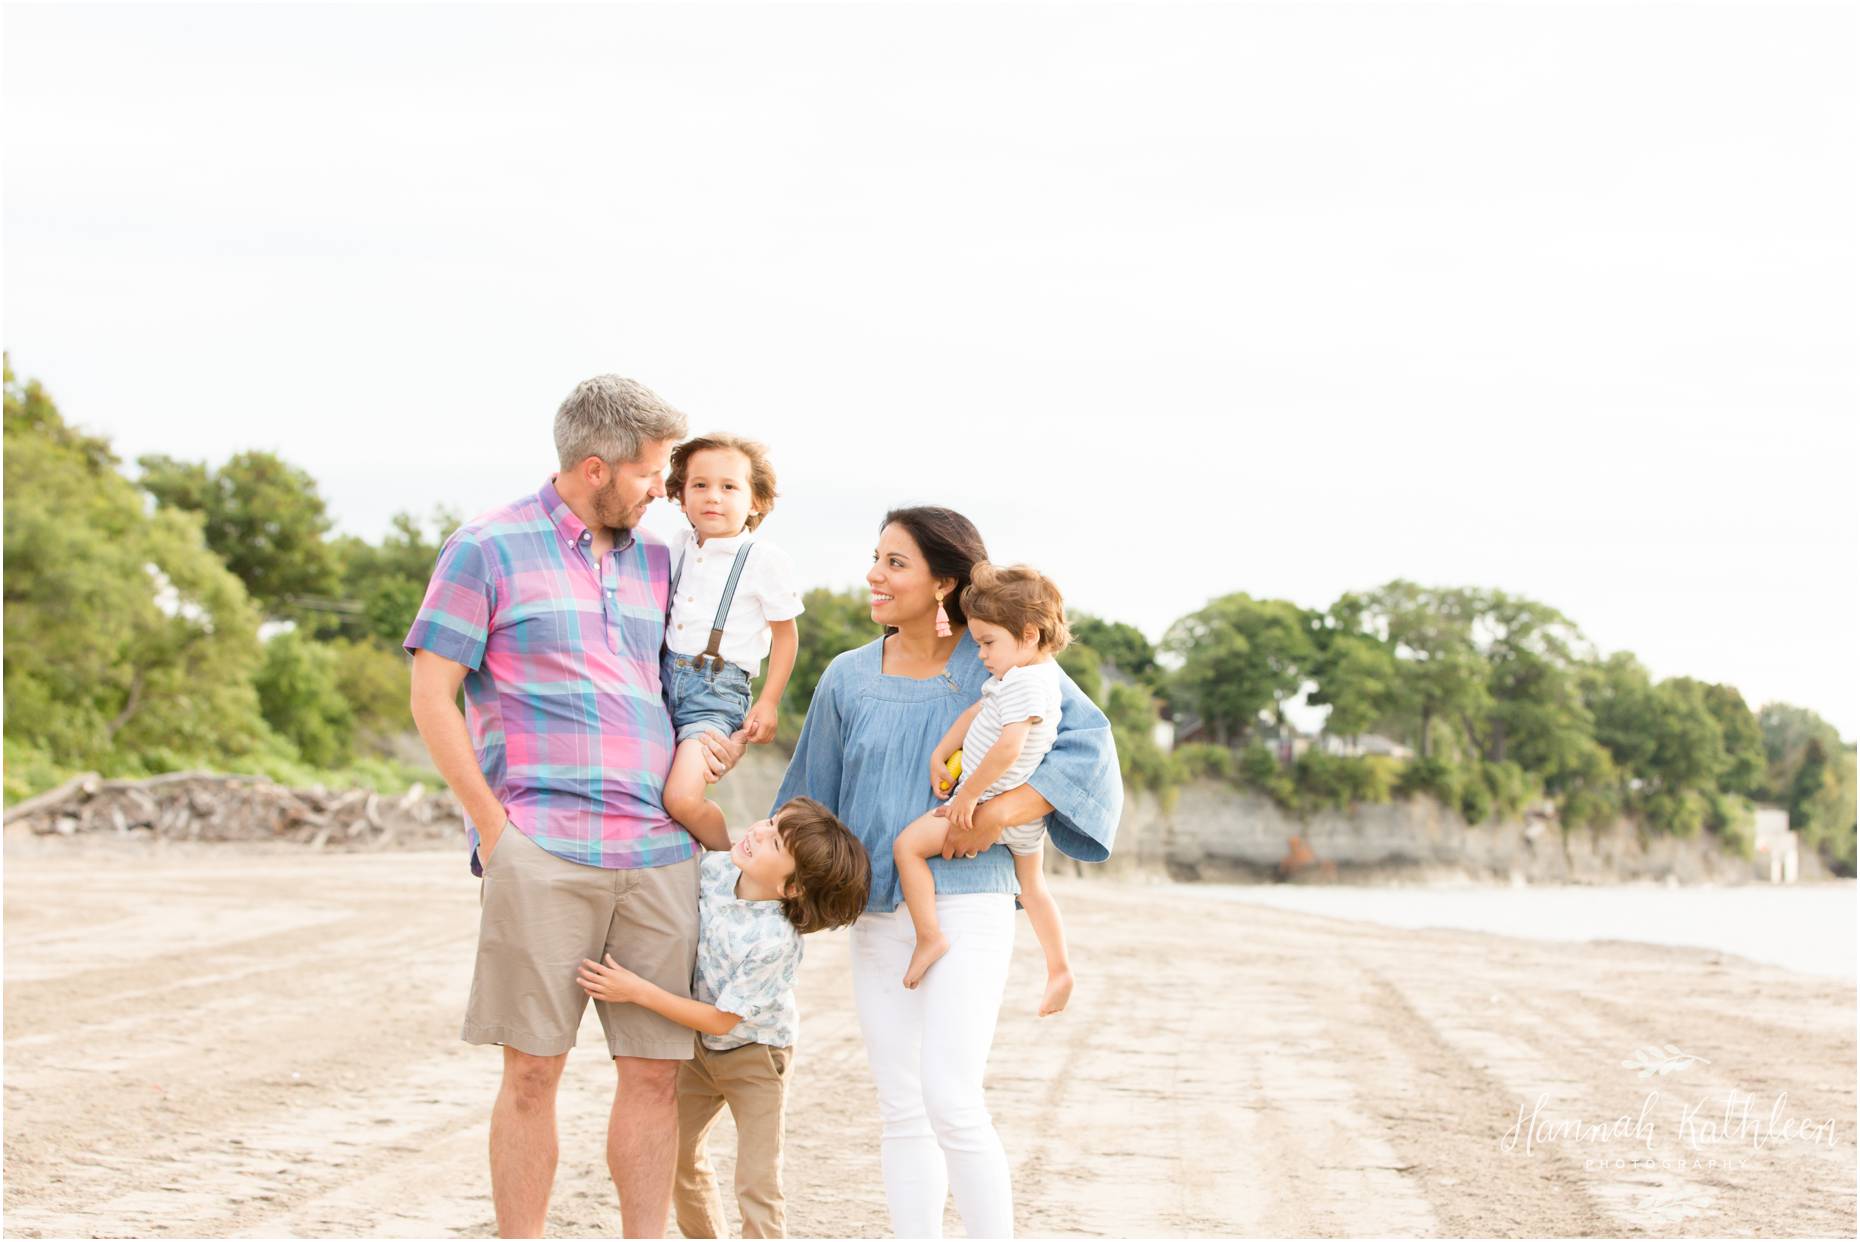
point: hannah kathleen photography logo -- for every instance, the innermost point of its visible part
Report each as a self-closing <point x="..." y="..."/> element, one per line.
<point x="1713" y="1129"/>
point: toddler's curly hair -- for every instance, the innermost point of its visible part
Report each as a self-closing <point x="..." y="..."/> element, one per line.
<point x="761" y="474"/>
<point x="1015" y="597"/>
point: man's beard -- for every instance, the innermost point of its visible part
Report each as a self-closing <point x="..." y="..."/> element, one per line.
<point x="609" y="510"/>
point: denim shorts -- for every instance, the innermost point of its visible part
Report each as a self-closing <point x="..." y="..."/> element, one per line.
<point x="702" y="698"/>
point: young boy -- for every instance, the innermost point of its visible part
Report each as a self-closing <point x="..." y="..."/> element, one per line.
<point x="801" y="871"/>
<point x="734" y="603"/>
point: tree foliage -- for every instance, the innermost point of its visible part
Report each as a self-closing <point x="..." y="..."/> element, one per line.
<point x="129" y="646"/>
<point x="1242" y="659"/>
<point x="262" y="516"/>
<point x="1354" y="670"/>
<point x="834" y="621"/>
<point x="1118" y="644"/>
<point x="299" y="694"/>
<point x="383" y="583"/>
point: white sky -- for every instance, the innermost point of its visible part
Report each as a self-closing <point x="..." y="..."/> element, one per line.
<point x="1287" y="299"/>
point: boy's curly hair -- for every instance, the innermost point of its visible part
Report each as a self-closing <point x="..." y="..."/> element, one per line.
<point x="1015" y="597"/>
<point x="832" y="874"/>
<point x="761" y="474"/>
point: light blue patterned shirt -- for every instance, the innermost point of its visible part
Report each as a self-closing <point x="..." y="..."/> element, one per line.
<point x="748" y="953"/>
<point x="865" y="753"/>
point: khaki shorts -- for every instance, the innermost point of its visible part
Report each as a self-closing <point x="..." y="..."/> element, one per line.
<point x="541" y="915"/>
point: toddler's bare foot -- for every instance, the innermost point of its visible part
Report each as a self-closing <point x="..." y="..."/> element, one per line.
<point x="924" y="957"/>
<point x="1058" y="992"/>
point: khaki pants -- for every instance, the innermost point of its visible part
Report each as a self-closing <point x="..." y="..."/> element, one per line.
<point x="753" y="1081"/>
<point x="541" y="915"/>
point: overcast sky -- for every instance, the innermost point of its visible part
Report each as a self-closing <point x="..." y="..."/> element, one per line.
<point x="1284" y="299"/>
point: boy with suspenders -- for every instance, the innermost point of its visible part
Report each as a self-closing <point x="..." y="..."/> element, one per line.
<point x="733" y="602"/>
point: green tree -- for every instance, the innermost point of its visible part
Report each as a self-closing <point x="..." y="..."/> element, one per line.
<point x="1441" y="674"/>
<point x="1118" y="644"/>
<point x="1814" y="779"/>
<point x="299" y="694"/>
<point x="1534" y="654"/>
<point x="1747" y="767"/>
<point x="1242" y="659"/>
<point x="383" y="583"/>
<point x="1688" y="748"/>
<point x="373" y="679"/>
<point x="1131" y="710"/>
<point x="129" y="647"/>
<point x="1353" y="671"/>
<point x="1787" y="732"/>
<point x="1588" y="793"/>
<point x="1665" y="742"/>
<point x="834" y="621"/>
<point x="1085" y="666"/>
<point x="263" y="516"/>
<point x="1619" y="696"/>
<point x="1811" y="770"/>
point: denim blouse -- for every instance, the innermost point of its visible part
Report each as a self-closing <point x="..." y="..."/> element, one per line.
<point x="865" y="753"/>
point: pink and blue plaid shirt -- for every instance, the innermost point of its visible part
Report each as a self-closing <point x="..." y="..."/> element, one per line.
<point x="563" y="699"/>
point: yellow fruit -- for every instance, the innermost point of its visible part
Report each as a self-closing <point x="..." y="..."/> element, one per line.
<point x="954" y="764"/>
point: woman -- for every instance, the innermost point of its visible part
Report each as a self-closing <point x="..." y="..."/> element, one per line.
<point x="877" y="714"/>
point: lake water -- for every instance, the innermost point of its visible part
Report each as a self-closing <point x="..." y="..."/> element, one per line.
<point x="1804" y="927"/>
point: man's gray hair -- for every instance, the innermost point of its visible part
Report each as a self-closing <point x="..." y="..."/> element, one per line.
<point x="612" y="418"/>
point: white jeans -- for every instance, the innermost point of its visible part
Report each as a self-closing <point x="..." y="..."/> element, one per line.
<point x="928" y="1049"/>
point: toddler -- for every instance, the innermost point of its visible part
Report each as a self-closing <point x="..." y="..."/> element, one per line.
<point x="733" y="603"/>
<point x="1017" y="618"/>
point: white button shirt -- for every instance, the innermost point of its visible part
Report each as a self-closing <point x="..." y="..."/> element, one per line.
<point x="766" y="592"/>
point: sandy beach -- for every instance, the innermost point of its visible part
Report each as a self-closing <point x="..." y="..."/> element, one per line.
<point x="247" y="1040"/>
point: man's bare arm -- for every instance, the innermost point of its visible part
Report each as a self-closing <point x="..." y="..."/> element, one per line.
<point x="436" y="682"/>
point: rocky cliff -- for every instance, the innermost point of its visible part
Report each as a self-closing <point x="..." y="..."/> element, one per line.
<point x="1213" y="831"/>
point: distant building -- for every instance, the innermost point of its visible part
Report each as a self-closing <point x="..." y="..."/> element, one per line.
<point x="1177" y="728"/>
<point x="1366" y="744"/>
<point x="1777" y="857"/>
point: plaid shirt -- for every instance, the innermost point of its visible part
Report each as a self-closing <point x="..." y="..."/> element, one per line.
<point x="563" y="701"/>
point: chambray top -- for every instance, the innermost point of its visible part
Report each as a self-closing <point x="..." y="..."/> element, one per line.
<point x="865" y="753"/>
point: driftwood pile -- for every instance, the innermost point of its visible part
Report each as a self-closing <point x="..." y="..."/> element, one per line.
<point x="205" y="806"/>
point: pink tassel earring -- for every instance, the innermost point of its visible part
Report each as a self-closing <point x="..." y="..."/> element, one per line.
<point x="942" y="618"/>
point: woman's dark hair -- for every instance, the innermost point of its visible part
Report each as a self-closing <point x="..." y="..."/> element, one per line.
<point x="951" y="546"/>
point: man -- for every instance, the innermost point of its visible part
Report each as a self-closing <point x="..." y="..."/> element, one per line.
<point x="550" y="612"/>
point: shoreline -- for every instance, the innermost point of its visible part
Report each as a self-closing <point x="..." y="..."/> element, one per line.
<point x="1805" y="928"/>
